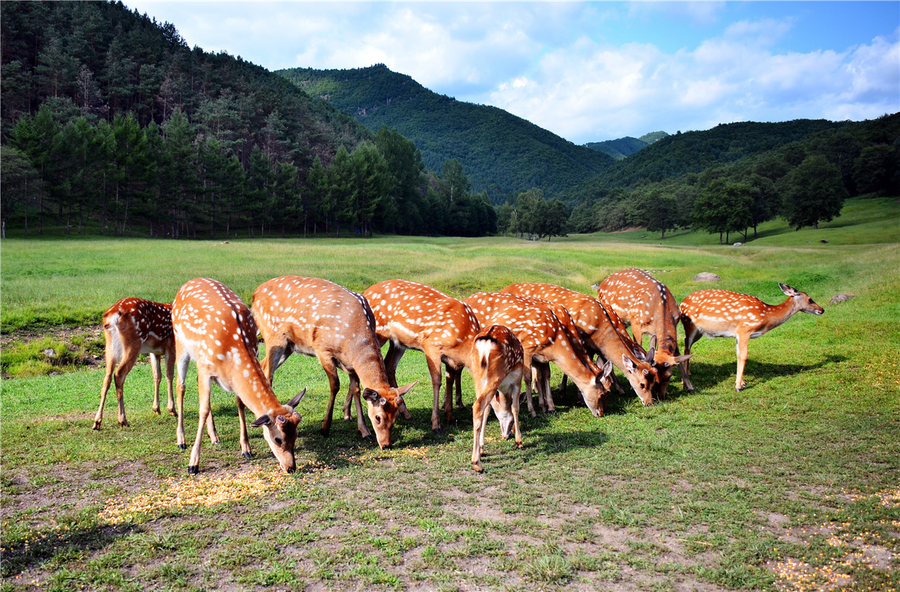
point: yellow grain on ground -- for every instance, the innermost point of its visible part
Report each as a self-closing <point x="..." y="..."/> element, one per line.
<point x="793" y="575"/>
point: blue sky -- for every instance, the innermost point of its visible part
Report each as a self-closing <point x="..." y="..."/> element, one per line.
<point x="587" y="71"/>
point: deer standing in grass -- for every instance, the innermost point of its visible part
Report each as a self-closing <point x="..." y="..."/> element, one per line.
<point x="645" y="303"/>
<point x="131" y="327"/>
<point x="319" y="318"/>
<point x="601" y="334"/>
<point x="411" y="315"/>
<point x="720" y="313"/>
<point x="214" y="328"/>
<point x="497" y="367"/>
<point x="544" y="339"/>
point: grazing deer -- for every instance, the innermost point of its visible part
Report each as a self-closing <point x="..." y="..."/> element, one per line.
<point x="544" y="339"/>
<point x="411" y="315"/>
<point x="649" y="307"/>
<point x="497" y="367"/>
<point x="319" y="318"/>
<point x="131" y="327"/>
<point x="601" y="334"/>
<point x="214" y="328"/>
<point x="719" y="313"/>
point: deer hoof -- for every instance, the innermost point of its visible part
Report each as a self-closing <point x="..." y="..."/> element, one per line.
<point x="96" y="425"/>
<point x="437" y="431"/>
<point x="368" y="437"/>
<point x="324" y="432"/>
<point x="194" y="469"/>
<point x="478" y="468"/>
<point x="248" y="455"/>
<point x="520" y="446"/>
<point x="156" y="411"/>
<point x="182" y="447"/>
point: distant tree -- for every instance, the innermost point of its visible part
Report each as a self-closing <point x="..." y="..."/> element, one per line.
<point x="875" y="170"/>
<point x="813" y="192"/>
<point x="552" y="219"/>
<point x="723" y="206"/>
<point x="529" y="207"/>
<point x="20" y="184"/>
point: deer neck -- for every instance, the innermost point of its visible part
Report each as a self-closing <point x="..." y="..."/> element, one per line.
<point x="778" y="314"/>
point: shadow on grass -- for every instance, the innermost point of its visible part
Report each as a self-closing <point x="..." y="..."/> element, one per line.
<point x="704" y="375"/>
<point x="21" y="555"/>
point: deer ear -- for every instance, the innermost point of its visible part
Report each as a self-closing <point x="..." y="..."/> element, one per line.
<point x="681" y="359"/>
<point x="607" y="369"/>
<point x="296" y="400"/>
<point x="261" y="421"/>
<point x="788" y="291"/>
<point x="648" y="357"/>
<point x="405" y="389"/>
<point x="629" y="365"/>
<point x="373" y="397"/>
<point x="652" y="344"/>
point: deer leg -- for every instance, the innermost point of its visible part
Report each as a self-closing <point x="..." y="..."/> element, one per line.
<point x="157" y="378"/>
<point x="170" y="376"/>
<point x="245" y="437"/>
<point x="691" y="336"/>
<point x="334" y="384"/>
<point x="434" y="370"/>
<point x="203" y="390"/>
<point x="392" y="360"/>
<point x="360" y="422"/>
<point x="182" y="365"/>
<point x="742" y="344"/>
<point x="119" y="379"/>
<point x="526" y="376"/>
<point x="457" y="379"/>
<point x="479" y="419"/>
<point x="107" y="380"/>
<point x="275" y="356"/>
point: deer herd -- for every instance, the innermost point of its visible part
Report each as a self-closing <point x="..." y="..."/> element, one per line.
<point x="502" y="339"/>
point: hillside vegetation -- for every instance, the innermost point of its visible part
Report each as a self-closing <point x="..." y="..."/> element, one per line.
<point x="500" y="153"/>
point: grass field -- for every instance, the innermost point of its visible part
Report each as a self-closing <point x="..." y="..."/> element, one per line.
<point x="792" y="484"/>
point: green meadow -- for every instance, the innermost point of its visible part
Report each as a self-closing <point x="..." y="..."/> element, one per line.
<point x="792" y="484"/>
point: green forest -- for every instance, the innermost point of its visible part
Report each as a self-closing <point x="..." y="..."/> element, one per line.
<point x="111" y="124"/>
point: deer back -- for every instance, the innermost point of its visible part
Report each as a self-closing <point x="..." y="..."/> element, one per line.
<point x="139" y="321"/>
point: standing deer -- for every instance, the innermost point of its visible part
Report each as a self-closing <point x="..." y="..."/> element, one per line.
<point x="544" y="339"/>
<point x="497" y="367"/>
<point x="214" y="328"/>
<point x="319" y="318"/>
<point x="131" y="327"/>
<point x="649" y="307"/>
<point x="720" y="313"/>
<point x="601" y="334"/>
<point x="411" y="315"/>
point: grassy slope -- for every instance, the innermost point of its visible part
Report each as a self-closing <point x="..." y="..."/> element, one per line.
<point x="775" y="486"/>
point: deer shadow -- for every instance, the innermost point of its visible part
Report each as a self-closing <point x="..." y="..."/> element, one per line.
<point x="706" y="375"/>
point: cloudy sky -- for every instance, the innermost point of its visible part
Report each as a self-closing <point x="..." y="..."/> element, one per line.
<point x="587" y="71"/>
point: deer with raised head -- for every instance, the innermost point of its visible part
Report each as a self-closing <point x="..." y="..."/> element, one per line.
<point x="720" y="313"/>
<point x="410" y="315"/>
<point x="645" y="303"/>
<point x="544" y="339"/>
<point x="214" y="328"/>
<point x="601" y="334"/>
<point x="498" y="363"/>
<point x="319" y="318"/>
<point x="131" y="327"/>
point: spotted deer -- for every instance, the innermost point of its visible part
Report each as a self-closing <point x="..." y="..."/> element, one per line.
<point x="410" y="315"/>
<point x="645" y="303"/>
<point x="601" y="334"/>
<point x="720" y="313"/>
<point x="213" y="327"/>
<point x="544" y="339"/>
<point x="319" y="318"/>
<point x="131" y="327"/>
<point x="497" y="367"/>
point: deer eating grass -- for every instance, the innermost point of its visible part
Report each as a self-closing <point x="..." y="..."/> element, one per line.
<point x="720" y="313"/>
<point x="544" y="339"/>
<point x="131" y="327"/>
<point x="497" y="366"/>
<point x="601" y="334"/>
<point x="319" y="318"/>
<point x="645" y="303"/>
<point x="410" y="315"/>
<point x="214" y="328"/>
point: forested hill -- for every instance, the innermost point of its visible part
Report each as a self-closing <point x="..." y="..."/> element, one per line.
<point x="500" y="153"/>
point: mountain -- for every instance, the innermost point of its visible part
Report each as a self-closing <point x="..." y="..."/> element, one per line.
<point x="620" y="148"/>
<point x="500" y="153"/>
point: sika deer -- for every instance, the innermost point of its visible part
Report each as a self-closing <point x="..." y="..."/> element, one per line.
<point x="414" y="316"/>
<point x="131" y="327"/>
<point x="319" y="318"/>
<point x="544" y="339"/>
<point x="649" y="307"/>
<point x="214" y="328"/>
<point x="600" y="334"/>
<point x="497" y="367"/>
<point x="719" y="313"/>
